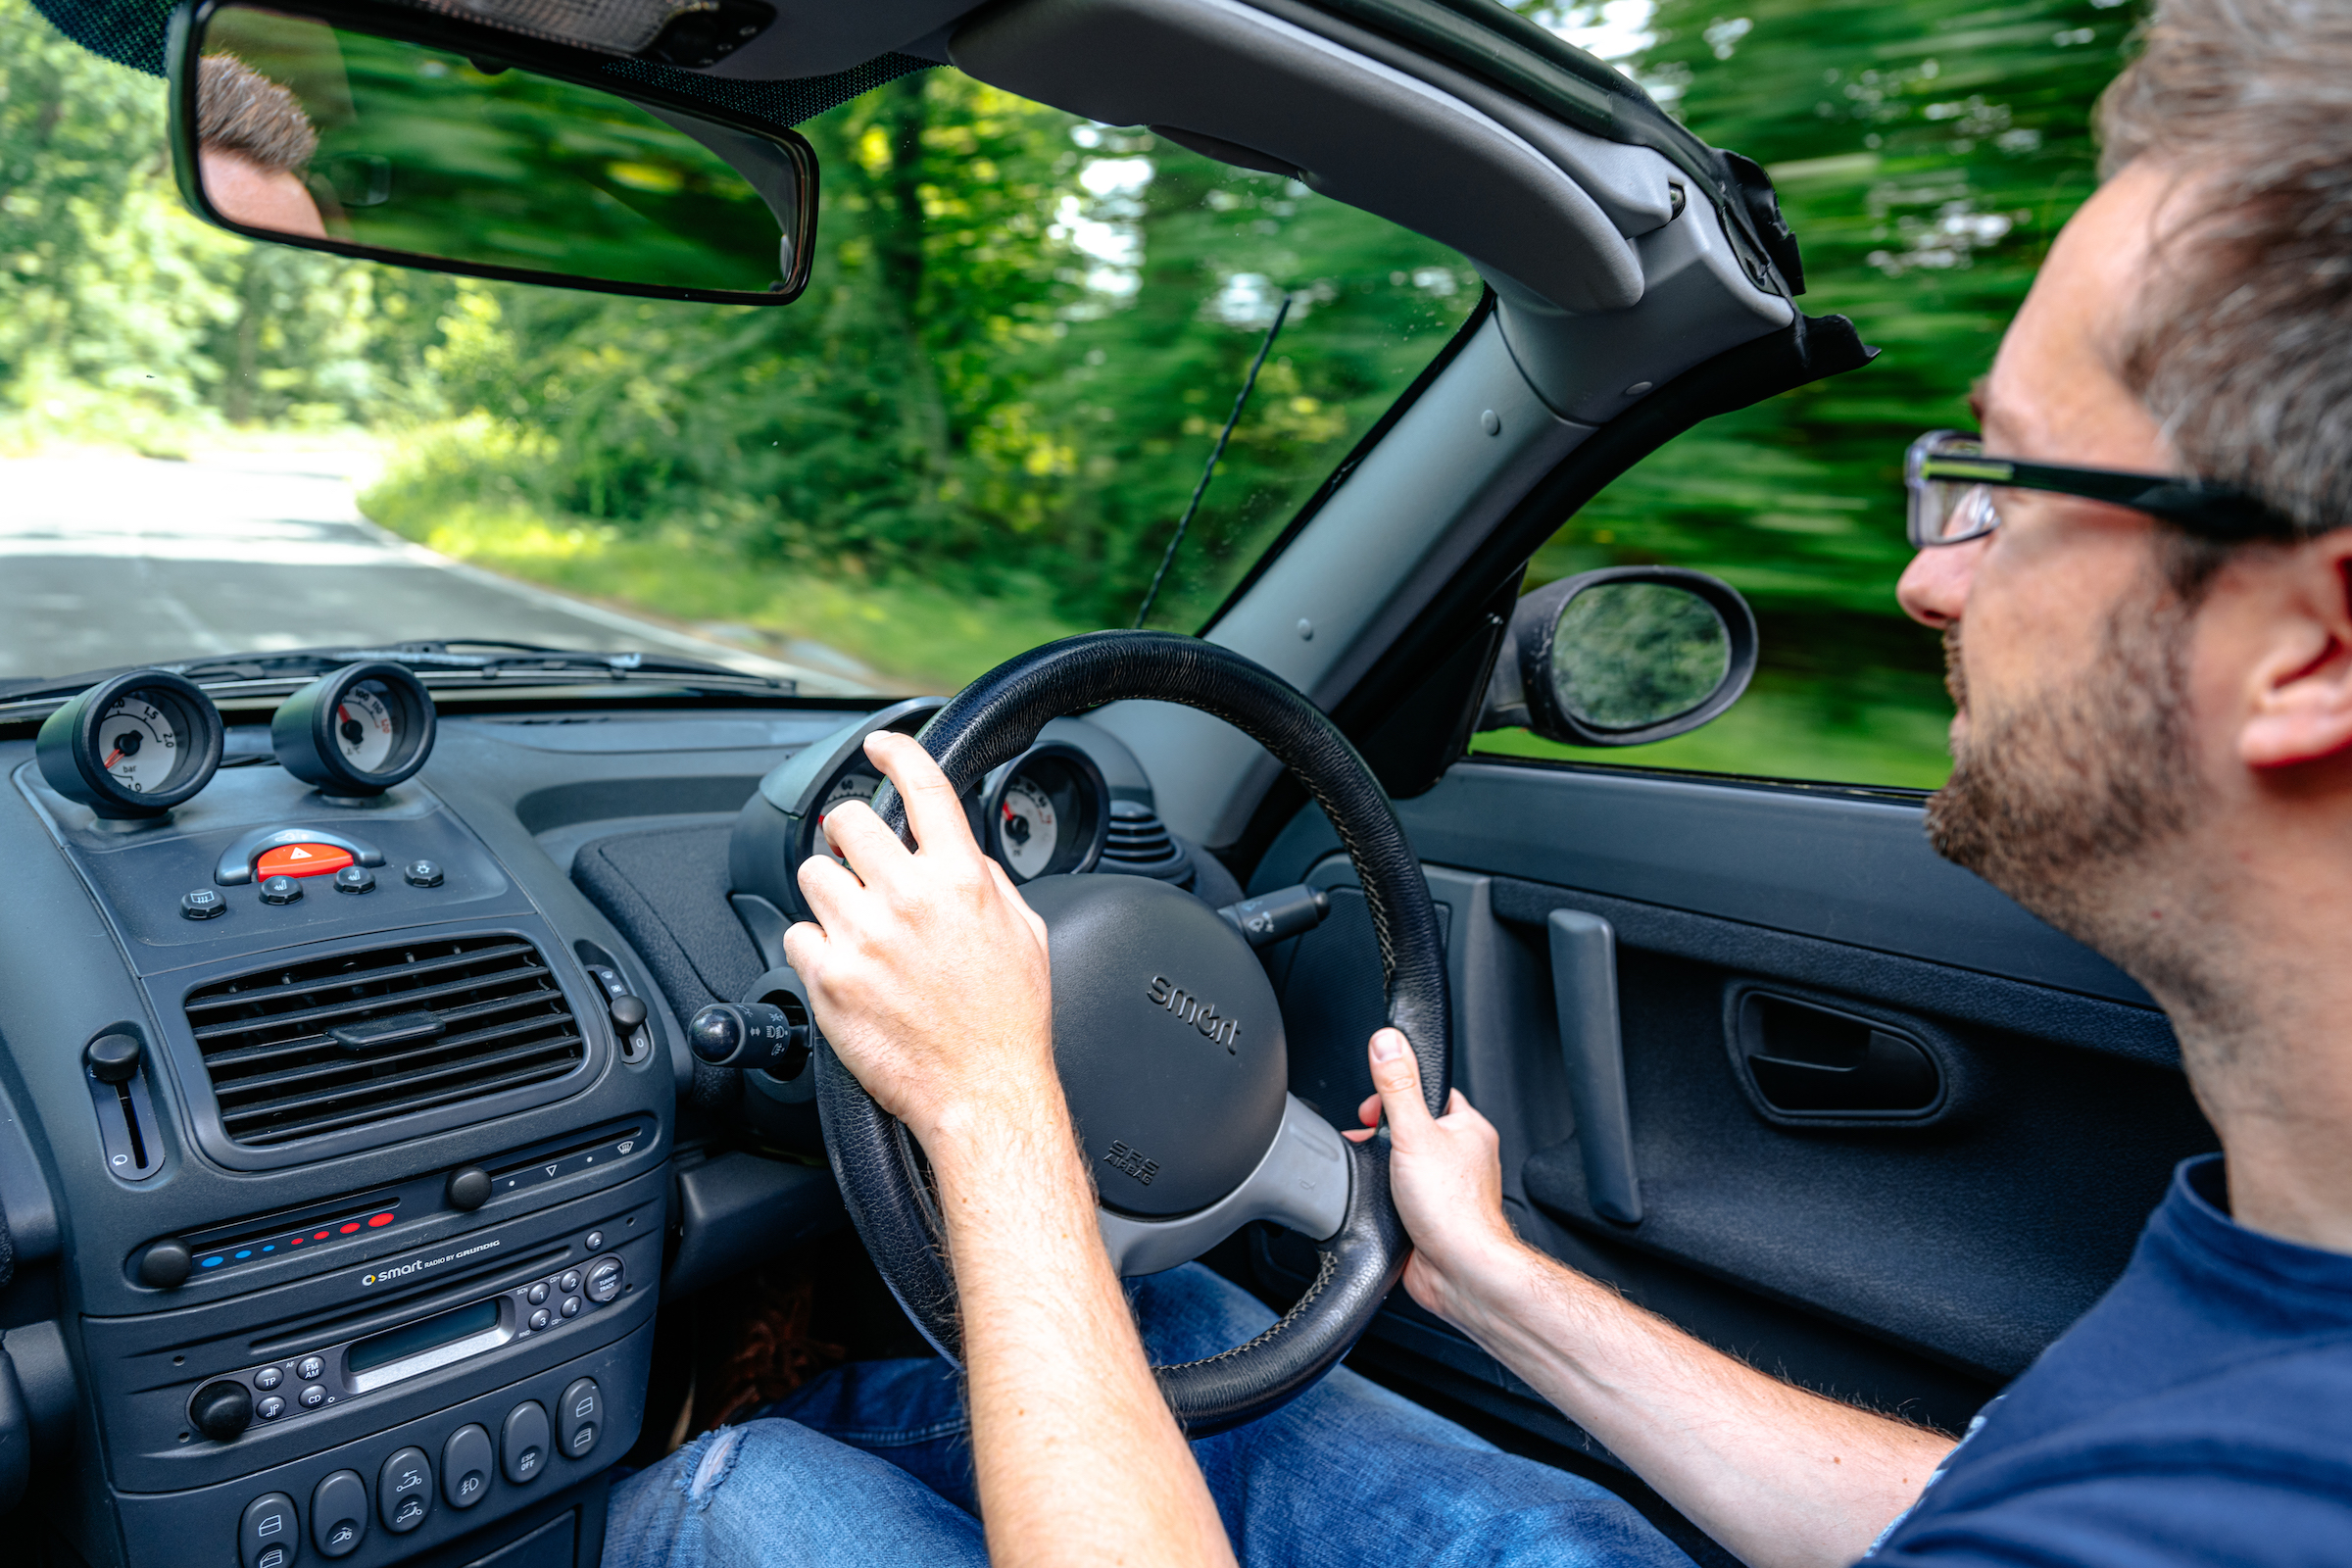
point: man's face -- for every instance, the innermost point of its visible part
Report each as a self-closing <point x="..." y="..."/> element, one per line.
<point x="2073" y="746"/>
<point x="244" y="192"/>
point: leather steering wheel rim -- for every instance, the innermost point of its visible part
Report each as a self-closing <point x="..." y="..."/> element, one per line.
<point x="995" y="719"/>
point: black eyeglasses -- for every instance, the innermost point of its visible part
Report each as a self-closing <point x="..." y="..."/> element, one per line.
<point x="1951" y="484"/>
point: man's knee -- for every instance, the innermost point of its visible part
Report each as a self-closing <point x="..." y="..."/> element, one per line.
<point x="772" y="1493"/>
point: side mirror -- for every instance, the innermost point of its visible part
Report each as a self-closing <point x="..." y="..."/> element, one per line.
<point x="414" y="138"/>
<point x="1623" y="657"/>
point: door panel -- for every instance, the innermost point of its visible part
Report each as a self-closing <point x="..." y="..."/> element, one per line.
<point x="1915" y="1260"/>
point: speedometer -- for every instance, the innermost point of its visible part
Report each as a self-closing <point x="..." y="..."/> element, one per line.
<point x="848" y="787"/>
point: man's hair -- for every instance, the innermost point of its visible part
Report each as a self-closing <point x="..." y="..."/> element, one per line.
<point x="2243" y="349"/>
<point x="240" y="111"/>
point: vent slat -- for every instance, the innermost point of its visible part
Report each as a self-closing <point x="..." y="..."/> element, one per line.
<point x="278" y="1078"/>
<point x="215" y="997"/>
<point x="375" y="1088"/>
<point x="360" y="1006"/>
<point x="360" y="1118"/>
<point x="367" y="1073"/>
<point x="220" y="1062"/>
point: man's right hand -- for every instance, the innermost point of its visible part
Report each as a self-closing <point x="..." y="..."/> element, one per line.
<point x="1447" y="1175"/>
<point x="1781" y="1477"/>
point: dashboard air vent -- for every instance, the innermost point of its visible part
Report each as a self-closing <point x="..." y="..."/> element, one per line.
<point x="1138" y="843"/>
<point x="336" y="1042"/>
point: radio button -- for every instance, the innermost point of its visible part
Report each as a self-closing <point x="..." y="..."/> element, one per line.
<point x="266" y="1536"/>
<point x="339" y="1514"/>
<point x="604" y="1280"/>
<point x="404" y="1491"/>
<point x="569" y="1281"/>
<point x="522" y="1443"/>
<point x="537" y="1294"/>
<point x="572" y="1306"/>
<point x="310" y="1368"/>
<point x="270" y="1408"/>
<point x="268" y="1378"/>
<point x="314" y="1397"/>
<point x="579" y="1413"/>
<point x="539" y="1318"/>
<point x="466" y="1461"/>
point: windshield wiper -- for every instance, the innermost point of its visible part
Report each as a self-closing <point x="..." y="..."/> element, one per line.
<point x="432" y="658"/>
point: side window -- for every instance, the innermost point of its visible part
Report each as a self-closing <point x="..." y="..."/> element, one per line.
<point x="1925" y="162"/>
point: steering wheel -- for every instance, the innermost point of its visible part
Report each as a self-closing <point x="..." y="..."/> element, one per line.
<point x="1168" y="1038"/>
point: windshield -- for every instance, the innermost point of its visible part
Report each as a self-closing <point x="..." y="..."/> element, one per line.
<point x="977" y="431"/>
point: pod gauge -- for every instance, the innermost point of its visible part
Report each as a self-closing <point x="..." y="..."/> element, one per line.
<point x="135" y="745"/>
<point x="358" y="730"/>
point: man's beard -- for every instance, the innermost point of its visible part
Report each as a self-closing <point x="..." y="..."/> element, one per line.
<point x="2066" y="799"/>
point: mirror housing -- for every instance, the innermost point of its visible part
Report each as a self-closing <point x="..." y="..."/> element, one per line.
<point x="1683" y="624"/>
<point x="405" y="135"/>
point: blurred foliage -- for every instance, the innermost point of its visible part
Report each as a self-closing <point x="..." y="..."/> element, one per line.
<point x="1926" y="154"/>
<point x="421" y="151"/>
<point x="1626" y="654"/>
<point x="978" y="426"/>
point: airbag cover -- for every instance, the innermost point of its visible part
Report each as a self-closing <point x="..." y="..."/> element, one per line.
<point x="1168" y="1040"/>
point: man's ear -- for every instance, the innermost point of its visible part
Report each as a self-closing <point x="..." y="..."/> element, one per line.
<point x="2300" y="700"/>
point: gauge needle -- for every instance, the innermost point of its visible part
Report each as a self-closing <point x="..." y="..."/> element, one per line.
<point x="112" y="758"/>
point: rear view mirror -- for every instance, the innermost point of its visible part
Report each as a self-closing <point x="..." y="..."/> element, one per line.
<point x="437" y="154"/>
<point x="1623" y="657"/>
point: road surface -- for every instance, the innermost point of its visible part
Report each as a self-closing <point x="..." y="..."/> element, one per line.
<point x="112" y="560"/>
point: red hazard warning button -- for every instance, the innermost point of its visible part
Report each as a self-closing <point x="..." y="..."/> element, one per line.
<point x="301" y="859"/>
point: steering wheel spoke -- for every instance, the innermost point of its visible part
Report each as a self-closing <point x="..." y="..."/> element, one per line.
<point x="1302" y="1184"/>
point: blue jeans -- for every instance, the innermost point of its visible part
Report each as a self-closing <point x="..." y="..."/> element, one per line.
<point x="871" y="1464"/>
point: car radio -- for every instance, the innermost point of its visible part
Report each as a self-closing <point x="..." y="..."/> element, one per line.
<point x="287" y="1388"/>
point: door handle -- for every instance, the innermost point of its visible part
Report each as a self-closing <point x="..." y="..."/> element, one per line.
<point x="1806" y="1060"/>
<point x="1583" y="987"/>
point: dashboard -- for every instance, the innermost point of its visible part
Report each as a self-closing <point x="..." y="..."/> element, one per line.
<point x="349" y="1132"/>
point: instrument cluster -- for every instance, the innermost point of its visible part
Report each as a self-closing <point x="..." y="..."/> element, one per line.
<point x="1046" y="813"/>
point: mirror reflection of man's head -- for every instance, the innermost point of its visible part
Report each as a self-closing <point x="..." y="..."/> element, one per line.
<point x="253" y="143"/>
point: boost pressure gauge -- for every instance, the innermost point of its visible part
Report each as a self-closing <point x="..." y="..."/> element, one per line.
<point x="134" y="746"/>
<point x="358" y="731"/>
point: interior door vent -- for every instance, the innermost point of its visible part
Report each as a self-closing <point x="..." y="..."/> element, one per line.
<point x="1138" y="843"/>
<point x="338" y="1043"/>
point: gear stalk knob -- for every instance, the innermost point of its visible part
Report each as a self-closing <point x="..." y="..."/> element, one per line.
<point x="752" y="1034"/>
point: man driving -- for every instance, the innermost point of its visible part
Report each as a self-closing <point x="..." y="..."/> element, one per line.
<point x="2145" y="591"/>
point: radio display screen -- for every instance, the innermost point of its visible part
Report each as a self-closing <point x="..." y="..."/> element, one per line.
<point x="394" y="1344"/>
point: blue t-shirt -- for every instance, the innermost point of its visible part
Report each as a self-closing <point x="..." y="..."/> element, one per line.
<point x="2200" y="1413"/>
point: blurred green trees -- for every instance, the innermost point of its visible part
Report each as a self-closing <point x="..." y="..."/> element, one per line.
<point x="979" y="425"/>
<point x="1926" y="153"/>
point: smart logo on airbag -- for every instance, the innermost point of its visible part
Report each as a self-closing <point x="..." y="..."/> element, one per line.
<point x="1191" y="1010"/>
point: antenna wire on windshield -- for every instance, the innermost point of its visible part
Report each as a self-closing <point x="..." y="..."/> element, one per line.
<point x="1216" y="453"/>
